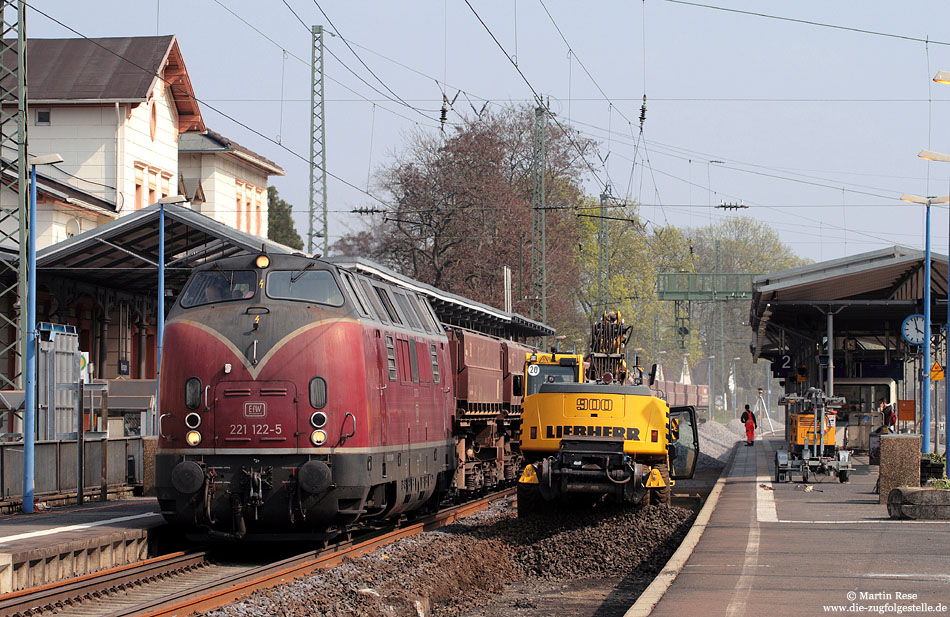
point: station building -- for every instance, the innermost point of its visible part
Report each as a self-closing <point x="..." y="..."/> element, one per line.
<point x="859" y="304"/>
<point x="122" y="114"/>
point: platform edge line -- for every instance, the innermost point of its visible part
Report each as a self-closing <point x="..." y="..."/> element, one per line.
<point x="652" y="595"/>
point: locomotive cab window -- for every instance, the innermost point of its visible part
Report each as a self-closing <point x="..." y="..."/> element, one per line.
<point x="390" y="309"/>
<point x="374" y="300"/>
<point x="213" y="286"/>
<point x="435" y="319"/>
<point x="407" y="311"/>
<point x="317" y="286"/>
<point x="423" y="318"/>
<point x="354" y="291"/>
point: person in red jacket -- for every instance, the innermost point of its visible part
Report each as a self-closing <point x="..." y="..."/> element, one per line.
<point x="748" y="418"/>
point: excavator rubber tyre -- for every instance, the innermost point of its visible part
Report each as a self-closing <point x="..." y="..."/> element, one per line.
<point x="661" y="496"/>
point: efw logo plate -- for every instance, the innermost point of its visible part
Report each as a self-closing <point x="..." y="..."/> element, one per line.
<point x="255" y="410"/>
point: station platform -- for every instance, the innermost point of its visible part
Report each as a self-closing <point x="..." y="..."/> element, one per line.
<point x="777" y="549"/>
<point x="48" y="546"/>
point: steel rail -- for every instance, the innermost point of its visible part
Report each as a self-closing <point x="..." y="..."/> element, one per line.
<point x="214" y="595"/>
<point x="51" y="595"/>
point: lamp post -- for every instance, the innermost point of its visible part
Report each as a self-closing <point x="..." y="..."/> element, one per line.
<point x="29" y="399"/>
<point x="709" y="397"/>
<point x="943" y="77"/>
<point x="925" y="374"/>
<point x="171" y="199"/>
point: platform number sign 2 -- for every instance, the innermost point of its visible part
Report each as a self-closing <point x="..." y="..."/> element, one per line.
<point x="782" y="365"/>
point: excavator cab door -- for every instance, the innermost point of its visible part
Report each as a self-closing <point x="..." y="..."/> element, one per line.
<point x="683" y="442"/>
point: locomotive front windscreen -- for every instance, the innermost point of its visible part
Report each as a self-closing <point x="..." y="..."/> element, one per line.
<point x="211" y="286"/>
<point x="308" y="285"/>
<point x="539" y="374"/>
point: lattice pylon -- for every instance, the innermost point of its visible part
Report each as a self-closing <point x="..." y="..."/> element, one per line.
<point x="539" y="306"/>
<point x="318" y="223"/>
<point x="14" y="204"/>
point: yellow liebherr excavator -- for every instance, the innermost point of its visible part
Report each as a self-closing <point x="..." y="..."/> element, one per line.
<point x="603" y="437"/>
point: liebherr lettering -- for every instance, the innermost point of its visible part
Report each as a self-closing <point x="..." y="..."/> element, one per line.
<point x="556" y="432"/>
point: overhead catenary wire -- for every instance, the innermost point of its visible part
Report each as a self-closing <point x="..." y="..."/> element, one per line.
<point x="691" y="153"/>
<point x="366" y="66"/>
<point x="307" y="64"/>
<point x="808" y="22"/>
<point x="216" y="110"/>
<point x="537" y="96"/>
<point x="394" y="98"/>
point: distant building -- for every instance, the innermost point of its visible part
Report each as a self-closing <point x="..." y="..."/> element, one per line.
<point x="225" y="181"/>
<point x="118" y="110"/>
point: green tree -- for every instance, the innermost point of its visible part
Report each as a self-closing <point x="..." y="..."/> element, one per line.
<point x="280" y="224"/>
<point x="738" y="244"/>
<point x="637" y="253"/>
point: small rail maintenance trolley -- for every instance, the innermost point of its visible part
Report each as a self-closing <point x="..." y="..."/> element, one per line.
<point x="810" y="434"/>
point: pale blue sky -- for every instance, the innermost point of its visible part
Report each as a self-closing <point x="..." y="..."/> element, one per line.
<point x="841" y="113"/>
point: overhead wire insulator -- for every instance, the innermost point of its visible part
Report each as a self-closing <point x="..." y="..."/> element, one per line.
<point x="643" y="112"/>
<point x="445" y="111"/>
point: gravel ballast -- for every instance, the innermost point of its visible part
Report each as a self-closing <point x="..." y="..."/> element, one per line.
<point x="462" y="566"/>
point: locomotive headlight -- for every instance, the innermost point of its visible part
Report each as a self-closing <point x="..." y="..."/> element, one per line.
<point x="193" y="438"/>
<point x="192" y="420"/>
<point x="318" y="419"/>
<point x="318" y="437"/>
<point x="262" y="261"/>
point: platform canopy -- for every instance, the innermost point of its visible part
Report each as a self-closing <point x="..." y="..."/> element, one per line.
<point x="123" y="254"/>
<point x="869" y="294"/>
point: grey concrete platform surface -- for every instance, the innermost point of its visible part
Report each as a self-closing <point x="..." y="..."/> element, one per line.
<point x="49" y="546"/>
<point x="776" y="549"/>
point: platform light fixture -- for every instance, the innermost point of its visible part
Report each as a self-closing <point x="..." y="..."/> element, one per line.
<point x="925" y="374"/>
<point x="930" y="155"/>
<point x="29" y="394"/>
<point x="943" y="77"/>
<point x="164" y="201"/>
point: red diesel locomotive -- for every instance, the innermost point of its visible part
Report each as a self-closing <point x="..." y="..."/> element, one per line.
<point x="298" y="396"/>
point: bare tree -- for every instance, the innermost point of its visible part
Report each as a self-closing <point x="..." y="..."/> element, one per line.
<point x="461" y="209"/>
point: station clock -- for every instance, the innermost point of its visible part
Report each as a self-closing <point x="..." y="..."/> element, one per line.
<point x="913" y="329"/>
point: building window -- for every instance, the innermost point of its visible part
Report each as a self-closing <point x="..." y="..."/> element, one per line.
<point x="257" y="211"/>
<point x="238" y="202"/>
<point x="166" y="184"/>
<point x="139" y="186"/>
<point x="248" y="204"/>
<point x="43" y="117"/>
<point x="151" y="183"/>
<point x="250" y="210"/>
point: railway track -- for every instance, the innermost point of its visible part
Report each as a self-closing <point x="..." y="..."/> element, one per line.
<point x="185" y="583"/>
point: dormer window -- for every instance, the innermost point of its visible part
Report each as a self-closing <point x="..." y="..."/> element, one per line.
<point x="43" y="117"/>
